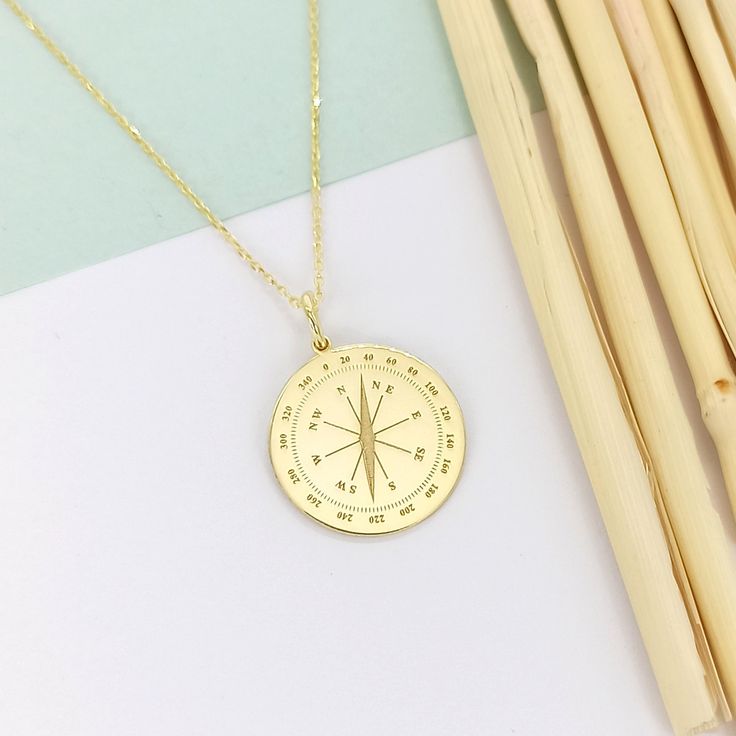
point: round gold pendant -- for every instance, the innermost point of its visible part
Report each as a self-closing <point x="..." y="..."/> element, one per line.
<point x="367" y="439"/>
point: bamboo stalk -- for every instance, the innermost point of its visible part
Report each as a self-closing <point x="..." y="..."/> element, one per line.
<point x="715" y="70"/>
<point x="665" y="428"/>
<point x="580" y="361"/>
<point x="724" y="12"/>
<point x="694" y="108"/>
<point x="700" y="217"/>
<point x="656" y="214"/>
<point x="697" y="526"/>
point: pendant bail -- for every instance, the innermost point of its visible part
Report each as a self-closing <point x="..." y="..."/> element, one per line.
<point x="320" y="342"/>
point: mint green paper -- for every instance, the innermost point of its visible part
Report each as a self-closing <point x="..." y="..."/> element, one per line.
<point x="222" y="89"/>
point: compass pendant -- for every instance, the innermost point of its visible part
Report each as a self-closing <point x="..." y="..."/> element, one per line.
<point x="367" y="439"/>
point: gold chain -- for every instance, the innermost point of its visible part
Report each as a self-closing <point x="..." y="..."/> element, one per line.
<point x="296" y="301"/>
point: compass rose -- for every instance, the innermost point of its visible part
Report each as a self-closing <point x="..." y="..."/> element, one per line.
<point x="367" y="439"/>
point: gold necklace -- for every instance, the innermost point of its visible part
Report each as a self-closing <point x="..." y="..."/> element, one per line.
<point x="365" y="439"/>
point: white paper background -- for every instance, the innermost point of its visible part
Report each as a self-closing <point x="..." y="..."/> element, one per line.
<point x="155" y="579"/>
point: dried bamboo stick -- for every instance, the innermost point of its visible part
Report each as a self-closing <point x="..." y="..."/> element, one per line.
<point x="700" y="217"/>
<point x="715" y="70"/>
<point x="659" y="411"/>
<point x="697" y="527"/>
<point x="655" y="211"/>
<point x="724" y="12"/>
<point x="695" y="109"/>
<point x="581" y="364"/>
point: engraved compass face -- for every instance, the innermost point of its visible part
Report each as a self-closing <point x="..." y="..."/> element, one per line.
<point x="367" y="440"/>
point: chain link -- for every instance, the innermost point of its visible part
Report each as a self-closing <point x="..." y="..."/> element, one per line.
<point x="316" y="183"/>
<point x="185" y="189"/>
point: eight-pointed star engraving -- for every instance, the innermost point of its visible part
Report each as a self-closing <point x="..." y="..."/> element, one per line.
<point x="367" y="439"/>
